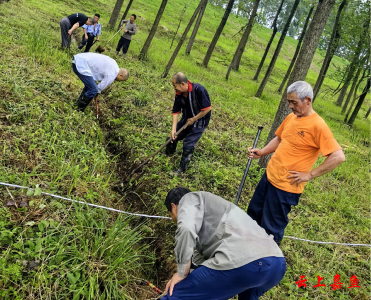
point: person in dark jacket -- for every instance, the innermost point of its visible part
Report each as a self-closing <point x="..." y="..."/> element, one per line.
<point x="70" y="23"/>
<point x="193" y="101"/>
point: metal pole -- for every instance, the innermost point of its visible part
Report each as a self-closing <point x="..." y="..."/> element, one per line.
<point x="260" y="128"/>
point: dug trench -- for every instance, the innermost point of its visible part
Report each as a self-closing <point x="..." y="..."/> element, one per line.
<point x="135" y="191"/>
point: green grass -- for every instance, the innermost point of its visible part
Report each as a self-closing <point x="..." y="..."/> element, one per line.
<point x="46" y="143"/>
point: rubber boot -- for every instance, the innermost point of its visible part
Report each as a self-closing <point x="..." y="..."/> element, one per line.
<point x="83" y="103"/>
<point x="184" y="162"/>
<point x="171" y="147"/>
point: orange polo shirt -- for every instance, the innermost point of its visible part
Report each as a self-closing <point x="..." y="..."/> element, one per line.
<point x="302" y="140"/>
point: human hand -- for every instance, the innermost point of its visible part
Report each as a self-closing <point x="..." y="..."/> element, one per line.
<point x="126" y="30"/>
<point x="121" y="27"/>
<point x="97" y="38"/>
<point x="69" y="31"/>
<point x="299" y="177"/>
<point x="172" y="282"/>
<point x="254" y="153"/>
<point x="190" y="121"/>
<point x="86" y="36"/>
<point x="173" y="136"/>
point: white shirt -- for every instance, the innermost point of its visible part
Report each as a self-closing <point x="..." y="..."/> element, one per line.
<point x="101" y="67"/>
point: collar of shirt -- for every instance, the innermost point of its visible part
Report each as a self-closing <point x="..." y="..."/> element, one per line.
<point x="190" y="88"/>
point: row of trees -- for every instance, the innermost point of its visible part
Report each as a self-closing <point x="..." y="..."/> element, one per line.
<point x="341" y="26"/>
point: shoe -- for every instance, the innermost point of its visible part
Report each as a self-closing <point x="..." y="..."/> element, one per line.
<point x="184" y="162"/>
<point x="123" y="55"/>
<point x="80" y="46"/>
<point x="116" y="53"/>
<point x="171" y="147"/>
<point x="83" y="103"/>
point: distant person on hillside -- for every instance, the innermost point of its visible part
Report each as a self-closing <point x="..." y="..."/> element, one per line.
<point x="90" y="32"/>
<point x="70" y="23"/>
<point x="130" y="29"/>
<point x="92" y="67"/>
<point x="220" y="251"/>
<point x="299" y="140"/>
<point x="193" y="101"/>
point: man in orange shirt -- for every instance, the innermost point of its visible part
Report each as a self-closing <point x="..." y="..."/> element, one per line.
<point x="299" y="140"/>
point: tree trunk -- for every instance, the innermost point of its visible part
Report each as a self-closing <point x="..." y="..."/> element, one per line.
<point x="353" y="64"/>
<point x="296" y="50"/>
<point x="143" y="52"/>
<point x="125" y="13"/>
<point x="359" y="103"/>
<point x="331" y="48"/>
<point x="354" y="96"/>
<point x="195" y="29"/>
<point x="302" y="64"/>
<point x="274" y="27"/>
<point x="182" y="39"/>
<point x="277" y="51"/>
<point x="218" y="33"/>
<point x="367" y="113"/>
<point x="115" y="13"/>
<point x="235" y="63"/>
<point x="355" y="80"/>
<point x="180" y="22"/>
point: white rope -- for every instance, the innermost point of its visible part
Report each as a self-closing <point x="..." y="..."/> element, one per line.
<point x="333" y="243"/>
<point x="162" y="217"/>
<point x="89" y="204"/>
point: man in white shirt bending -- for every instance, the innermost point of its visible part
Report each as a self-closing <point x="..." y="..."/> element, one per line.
<point x="92" y="67"/>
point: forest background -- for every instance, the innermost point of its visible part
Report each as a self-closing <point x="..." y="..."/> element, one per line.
<point x="51" y="249"/>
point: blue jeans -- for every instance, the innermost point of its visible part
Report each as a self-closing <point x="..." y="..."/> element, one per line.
<point x="270" y="206"/>
<point x="249" y="282"/>
<point x="90" y="89"/>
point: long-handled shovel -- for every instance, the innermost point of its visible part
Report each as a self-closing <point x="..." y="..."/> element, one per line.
<point x="158" y="150"/>
<point x="260" y="128"/>
<point x="101" y="49"/>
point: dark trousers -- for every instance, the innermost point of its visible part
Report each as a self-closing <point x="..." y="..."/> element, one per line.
<point x="88" y="42"/>
<point x="124" y="44"/>
<point x="90" y="89"/>
<point x="249" y="282"/>
<point x="190" y="135"/>
<point x="66" y="38"/>
<point x="270" y="206"/>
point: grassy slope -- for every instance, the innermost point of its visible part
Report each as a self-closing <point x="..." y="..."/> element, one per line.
<point x="45" y="140"/>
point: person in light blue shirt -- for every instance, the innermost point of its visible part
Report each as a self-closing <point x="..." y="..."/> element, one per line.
<point x="90" y="32"/>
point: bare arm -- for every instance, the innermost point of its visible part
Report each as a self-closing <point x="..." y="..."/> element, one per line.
<point x="330" y="163"/>
<point x="86" y="35"/>
<point x="173" y="128"/>
<point x="269" y="148"/>
<point x="200" y="115"/>
<point x="175" y="279"/>
<point x="73" y="28"/>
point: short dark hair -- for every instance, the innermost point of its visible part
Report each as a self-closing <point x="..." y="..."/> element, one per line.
<point x="180" y="78"/>
<point x="174" y="196"/>
<point x="98" y="15"/>
<point x="135" y="16"/>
